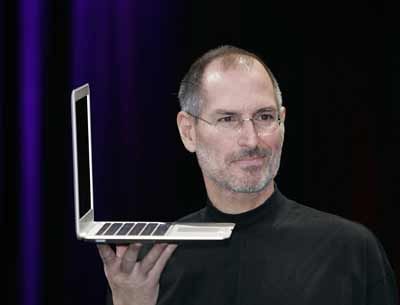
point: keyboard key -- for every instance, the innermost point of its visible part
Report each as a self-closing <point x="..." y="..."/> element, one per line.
<point x="137" y="228"/>
<point x="103" y="228"/>
<point x="114" y="227"/>
<point x="125" y="228"/>
<point x="162" y="229"/>
<point x="149" y="229"/>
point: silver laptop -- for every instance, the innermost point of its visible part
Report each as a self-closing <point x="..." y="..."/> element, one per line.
<point x="87" y="228"/>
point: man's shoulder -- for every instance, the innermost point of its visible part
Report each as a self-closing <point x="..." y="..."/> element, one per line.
<point x="311" y="219"/>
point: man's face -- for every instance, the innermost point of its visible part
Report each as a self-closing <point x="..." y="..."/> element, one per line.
<point x="243" y="161"/>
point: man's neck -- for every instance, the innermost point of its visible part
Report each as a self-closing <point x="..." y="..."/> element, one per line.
<point x="235" y="203"/>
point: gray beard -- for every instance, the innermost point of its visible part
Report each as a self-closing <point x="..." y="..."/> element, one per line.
<point x="241" y="185"/>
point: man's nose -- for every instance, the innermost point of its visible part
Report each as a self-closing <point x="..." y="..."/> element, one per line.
<point x="248" y="135"/>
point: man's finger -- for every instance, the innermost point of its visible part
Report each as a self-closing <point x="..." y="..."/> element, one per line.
<point x="130" y="257"/>
<point x="151" y="257"/>
<point x="107" y="254"/>
<point x="120" y="250"/>
<point x="155" y="272"/>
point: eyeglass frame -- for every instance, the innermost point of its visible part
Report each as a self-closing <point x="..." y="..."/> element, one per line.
<point x="279" y="120"/>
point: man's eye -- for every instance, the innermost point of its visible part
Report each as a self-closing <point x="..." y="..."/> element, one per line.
<point x="265" y="117"/>
<point x="226" y="119"/>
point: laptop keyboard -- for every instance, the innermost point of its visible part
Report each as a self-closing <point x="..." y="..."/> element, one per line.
<point x="132" y="228"/>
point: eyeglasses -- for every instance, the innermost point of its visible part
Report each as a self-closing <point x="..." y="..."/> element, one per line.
<point x="264" y="122"/>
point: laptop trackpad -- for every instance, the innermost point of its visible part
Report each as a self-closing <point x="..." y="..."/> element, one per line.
<point x="188" y="229"/>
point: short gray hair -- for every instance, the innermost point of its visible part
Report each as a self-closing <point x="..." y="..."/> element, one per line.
<point x="190" y="92"/>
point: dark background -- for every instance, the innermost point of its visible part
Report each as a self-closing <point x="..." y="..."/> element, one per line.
<point x="338" y="66"/>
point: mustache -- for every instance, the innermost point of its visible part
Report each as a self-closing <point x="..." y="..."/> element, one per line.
<point x="250" y="153"/>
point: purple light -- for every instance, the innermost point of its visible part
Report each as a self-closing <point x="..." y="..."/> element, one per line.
<point x="30" y="118"/>
<point x="79" y="42"/>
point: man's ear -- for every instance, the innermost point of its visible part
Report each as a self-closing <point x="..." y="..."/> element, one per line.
<point x="186" y="130"/>
<point x="283" y="114"/>
<point x="283" y="117"/>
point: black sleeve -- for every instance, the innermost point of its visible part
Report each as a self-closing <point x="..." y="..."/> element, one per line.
<point x="381" y="281"/>
<point x="109" y="298"/>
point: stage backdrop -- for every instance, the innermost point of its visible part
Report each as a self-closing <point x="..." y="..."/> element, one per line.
<point x="335" y="67"/>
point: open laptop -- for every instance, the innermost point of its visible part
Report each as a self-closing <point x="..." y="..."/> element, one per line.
<point x="87" y="228"/>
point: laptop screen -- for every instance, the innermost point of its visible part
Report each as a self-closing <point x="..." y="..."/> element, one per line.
<point x="82" y="135"/>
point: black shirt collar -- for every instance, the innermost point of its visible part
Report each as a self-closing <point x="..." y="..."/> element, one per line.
<point x="266" y="210"/>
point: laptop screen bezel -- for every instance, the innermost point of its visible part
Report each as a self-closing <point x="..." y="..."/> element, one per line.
<point x="82" y="221"/>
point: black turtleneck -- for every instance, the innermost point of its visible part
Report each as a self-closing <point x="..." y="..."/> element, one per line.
<point x="280" y="253"/>
<point x="267" y="211"/>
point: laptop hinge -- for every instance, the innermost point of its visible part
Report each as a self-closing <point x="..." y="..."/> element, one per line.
<point x="86" y="221"/>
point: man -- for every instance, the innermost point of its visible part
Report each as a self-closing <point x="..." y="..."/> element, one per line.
<point x="280" y="252"/>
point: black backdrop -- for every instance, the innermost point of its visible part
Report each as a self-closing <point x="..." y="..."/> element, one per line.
<point x="338" y="67"/>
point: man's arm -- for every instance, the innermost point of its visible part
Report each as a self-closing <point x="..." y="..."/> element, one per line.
<point x="381" y="282"/>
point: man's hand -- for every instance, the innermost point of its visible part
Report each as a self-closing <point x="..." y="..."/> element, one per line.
<point x="134" y="282"/>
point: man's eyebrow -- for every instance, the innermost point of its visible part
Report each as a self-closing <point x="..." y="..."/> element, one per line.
<point x="225" y="112"/>
<point x="266" y="109"/>
<point x="230" y="112"/>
